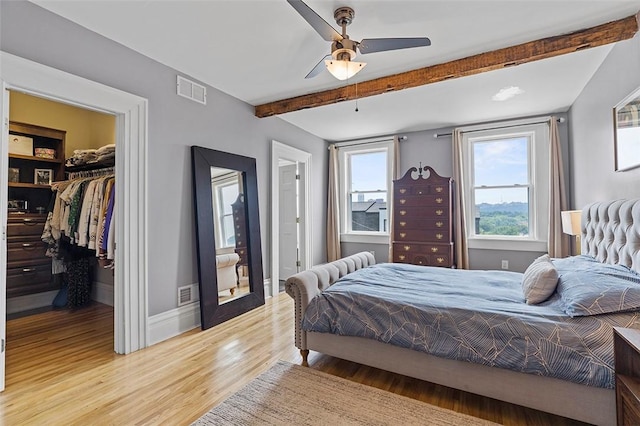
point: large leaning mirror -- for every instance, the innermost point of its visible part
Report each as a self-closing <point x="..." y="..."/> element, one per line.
<point x="225" y="192"/>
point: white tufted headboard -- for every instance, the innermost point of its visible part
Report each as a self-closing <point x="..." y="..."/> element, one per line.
<point x="611" y="232"/>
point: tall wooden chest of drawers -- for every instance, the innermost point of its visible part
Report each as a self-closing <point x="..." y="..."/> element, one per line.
<point x="28" y="269"/>
<point x="423" y="218"/>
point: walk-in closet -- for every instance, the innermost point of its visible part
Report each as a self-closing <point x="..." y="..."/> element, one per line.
<point x="61" y="222"/>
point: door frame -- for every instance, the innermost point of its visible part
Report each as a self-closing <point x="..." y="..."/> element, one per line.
<point x="286" y="152"/>
<point x="131" y="273"/>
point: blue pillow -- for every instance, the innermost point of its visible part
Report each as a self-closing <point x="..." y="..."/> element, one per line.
<point x="588" y="287"/>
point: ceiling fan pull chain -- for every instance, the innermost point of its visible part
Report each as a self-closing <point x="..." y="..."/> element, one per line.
<point x="356" y="96"/>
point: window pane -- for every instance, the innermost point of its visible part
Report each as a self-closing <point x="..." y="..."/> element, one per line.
<point x="503" y="211"/>
<point x="369" y="171"/>
<point x="501" y="162"/>
<point x="229" y="234"/>
<point x="369" y="212"/>
<point x="229" y="194"/>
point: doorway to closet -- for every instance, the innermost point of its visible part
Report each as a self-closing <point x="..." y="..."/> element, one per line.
<point x="130" y="316"/>
<point x="55" y="147"/>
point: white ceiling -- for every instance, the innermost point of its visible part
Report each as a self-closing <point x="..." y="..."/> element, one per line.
<point x="260" y="51"/>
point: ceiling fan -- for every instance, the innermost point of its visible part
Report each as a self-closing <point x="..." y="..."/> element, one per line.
<point x="343" y="50"/>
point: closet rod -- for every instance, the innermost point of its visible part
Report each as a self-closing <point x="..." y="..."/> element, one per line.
<point x="440" y="135"/>
<point x="92" y="173"/>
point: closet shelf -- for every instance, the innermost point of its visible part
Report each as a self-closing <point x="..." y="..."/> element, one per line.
<point x="28" y="185"/>
<point x="90" y="166"/>
<point x="38" y="159"/>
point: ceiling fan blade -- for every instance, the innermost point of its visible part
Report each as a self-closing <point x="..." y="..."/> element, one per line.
<point x="371" y="45"/>
<point x="318" y="68"/>
<point x="320" y="25"/>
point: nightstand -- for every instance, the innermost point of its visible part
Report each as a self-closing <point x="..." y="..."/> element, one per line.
<point x="626" y="349"/>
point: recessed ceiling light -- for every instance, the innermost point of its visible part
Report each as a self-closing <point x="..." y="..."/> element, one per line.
<point x="507" y="93"/>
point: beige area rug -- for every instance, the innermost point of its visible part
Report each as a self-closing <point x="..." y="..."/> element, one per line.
<point x="292" y="394"/>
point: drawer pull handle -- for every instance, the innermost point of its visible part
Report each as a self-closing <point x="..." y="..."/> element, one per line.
<point x="402" y="201"/>
<point x="403" y="234"/>
<point x="407" y="248"/>
<point x="439" y="200"/>
<point x="439" y="212"/>
<point x="403" y="223"/>
<point x="440" y="259"/>
<point x="439" y="236"/>
<point x="28" y="269"/>
<point x="27" y="245"/>
<point x="402" y="257"/>
<point x="434" y="249"/>
<point x="439" y="224"/>
<point x="402" y="191"/>
<point x="403" y="212"/>
<point x="28" y="221"/>
<point x="439" y="189"/>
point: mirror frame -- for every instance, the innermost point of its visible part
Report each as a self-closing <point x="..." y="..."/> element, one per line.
<point x="211" y="311"/>
<point x="628" y="102"/>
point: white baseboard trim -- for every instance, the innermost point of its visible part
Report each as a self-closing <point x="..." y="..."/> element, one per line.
<point x="102" y="293"/>
<point x="174" y="322"/>
<point x="32" y="301"/>
<point x="171" y="323"/>
<point x="267" y="288"/>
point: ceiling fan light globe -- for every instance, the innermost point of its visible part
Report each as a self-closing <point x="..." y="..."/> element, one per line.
<point x="343" y="70"/>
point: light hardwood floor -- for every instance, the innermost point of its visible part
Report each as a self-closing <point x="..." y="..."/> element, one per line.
<point x="61" y="370"/>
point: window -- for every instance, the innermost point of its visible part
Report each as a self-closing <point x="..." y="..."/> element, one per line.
<point x="225" y="193"/>
<point x="365" y="185"/>
<point x="506" y="188"/>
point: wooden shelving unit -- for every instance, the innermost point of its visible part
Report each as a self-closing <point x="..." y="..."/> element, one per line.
<point x="28" y="267"/>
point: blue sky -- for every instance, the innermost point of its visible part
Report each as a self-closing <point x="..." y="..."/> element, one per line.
<point x="497" y="162"/>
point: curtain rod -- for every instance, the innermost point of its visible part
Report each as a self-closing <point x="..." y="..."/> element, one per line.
<point x="439" y="135"/>
<point x="365" y="141"/>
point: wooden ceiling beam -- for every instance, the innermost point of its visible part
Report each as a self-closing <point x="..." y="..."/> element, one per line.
<point x="549" y="47"/>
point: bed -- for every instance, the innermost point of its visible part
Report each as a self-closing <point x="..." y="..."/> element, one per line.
<point x="558" y="352"/>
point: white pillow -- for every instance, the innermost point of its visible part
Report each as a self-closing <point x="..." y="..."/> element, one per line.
<point x="540" y="280"/>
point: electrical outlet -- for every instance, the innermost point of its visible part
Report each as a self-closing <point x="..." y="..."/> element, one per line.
<point x="505" y="264"/>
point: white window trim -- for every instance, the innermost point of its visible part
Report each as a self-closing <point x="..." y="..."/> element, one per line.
<point x="346" y="235"/>
<point x="217" y="184"/>
<point x="539" y="170"/>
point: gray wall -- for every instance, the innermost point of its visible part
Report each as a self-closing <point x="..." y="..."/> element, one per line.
<point x="591" y="129"/>
<point x="437" y="153"/>
<point x="175" y="124"/>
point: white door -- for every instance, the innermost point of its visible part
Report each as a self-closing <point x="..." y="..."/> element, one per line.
<point x="288" y="250"/>
<point x="4" y="164"/>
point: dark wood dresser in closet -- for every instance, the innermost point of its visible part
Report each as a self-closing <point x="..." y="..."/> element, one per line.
<point x="423" y="218"/>
<point x="36" y="158"/>
<point x="28" y="269"/>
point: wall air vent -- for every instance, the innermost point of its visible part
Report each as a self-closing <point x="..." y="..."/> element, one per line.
<point x="187" y="294"/>
<point x="192" y="90"/>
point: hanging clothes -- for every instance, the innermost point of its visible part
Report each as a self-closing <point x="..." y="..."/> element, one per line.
<point x="80" y="225"/>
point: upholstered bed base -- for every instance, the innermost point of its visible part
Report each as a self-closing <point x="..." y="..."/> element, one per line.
<point x="610" y="234"/>
<point x="580" y="402"/>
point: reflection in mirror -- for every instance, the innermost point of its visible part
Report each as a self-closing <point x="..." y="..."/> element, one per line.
<point x="626" y="120"/>
<point x="230" y="229"/>
<point x="227" y="234"/>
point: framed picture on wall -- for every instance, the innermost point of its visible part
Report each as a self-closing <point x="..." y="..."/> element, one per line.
<point x="43" y="176"/>
<point x="626" y="121"/>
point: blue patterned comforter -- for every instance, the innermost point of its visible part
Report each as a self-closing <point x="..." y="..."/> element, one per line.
<point x="475" y="316"/>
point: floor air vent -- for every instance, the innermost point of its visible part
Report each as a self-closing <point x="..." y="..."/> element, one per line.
<point x="192" y="90"/>
<point x="186" y="294"/>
